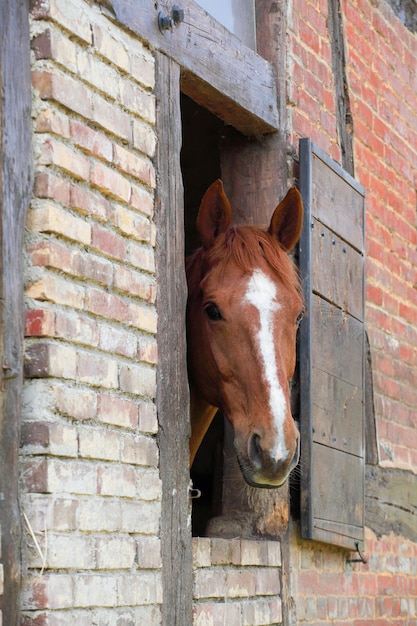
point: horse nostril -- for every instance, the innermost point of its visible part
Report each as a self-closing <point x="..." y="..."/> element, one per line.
<point x="255" y="450"/>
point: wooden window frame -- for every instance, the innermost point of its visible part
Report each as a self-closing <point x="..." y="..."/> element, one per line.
<point x="202" y="59"/>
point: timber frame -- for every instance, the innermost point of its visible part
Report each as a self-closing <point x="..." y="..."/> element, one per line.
<point x="246" y="91"/>
<point x="15" y="193"/>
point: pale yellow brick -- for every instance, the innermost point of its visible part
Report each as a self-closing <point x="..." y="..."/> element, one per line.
<point x="51" y="219"/>
<point x="95" y="590"/>
<point x="253" y="553"/>
<point x="139" y="450"/>
<point x="115" y="552"/>
<point x="142" y="587"/>
<point x="117" y="480"/>
<point x="139" y="102"/>
<point x="58" y="290"/>
<point x="138" y="379"/>
<point x="132" y="224"/>
<point x="97" y="370"/>
<point x="98" y="74"/>
<point x="143" y="317"/>
<point x="53" y="121"/>
<point x="67" y="551"/>
<point x="112" y="118"/>
<point x="62" y="361"/>
<point x="54" y="152"/>
<point x="144" y="138"/>
<point x="134" y="165"/>
<point x="110" y="181"/>
<point x="75" y="402"/>
<point x="73" y="16"/>
<point x="149" y="485"/>
<point x="71" y="476"/>
<point x="98" y="443"/>
<point x="110" y="47"/>
<point x="143" y="67"/>
<point x="149" y="552"/>
<point x="143" y="515"/>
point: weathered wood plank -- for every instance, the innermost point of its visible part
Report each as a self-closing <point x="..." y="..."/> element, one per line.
<point x="15" y="191"/>
<point x="337" y="488"/>
<point x="217" y="70"/>
<point x="15" y="188"/>
<point x="337" y="412"/>
<point x="337" y="270"/>
<point x="337" y="342"/>
<point x="172" y="393"/>
<point x="255" y="170"/>
<point x="337" y="200"/>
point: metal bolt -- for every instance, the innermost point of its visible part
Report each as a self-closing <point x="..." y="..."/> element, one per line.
<point x="177" y="15"/>
<point x="165" y="22"/>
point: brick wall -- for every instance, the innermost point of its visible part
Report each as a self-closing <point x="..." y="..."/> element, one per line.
<point x="90" y="481"/>
<point x="329" y="589"/>
<point x="382" y="82"/>
<point x="89" y="456"/>
<point x="237" y="582"/>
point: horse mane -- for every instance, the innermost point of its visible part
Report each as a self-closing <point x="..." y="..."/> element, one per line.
<point x="243" y="245"/>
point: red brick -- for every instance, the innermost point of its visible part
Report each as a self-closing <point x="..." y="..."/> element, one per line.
<point x="39" y="323"/>
<point x="134" y="165"/>
<point x="134" y="283"/>
<point x="97" y="370"/>
<point x="48" y="185"/>
<point x="110" y="243"/>
<point x="91" y="141"/>
<point x="84" y="200"/>
<point x="117" y="411"/>
<point x="109" y="117"/>
<point x="64" y="90"/>
<point x="106" y="305"/>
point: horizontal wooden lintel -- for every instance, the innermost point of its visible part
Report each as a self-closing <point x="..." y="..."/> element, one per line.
<point x="217" y="69"/>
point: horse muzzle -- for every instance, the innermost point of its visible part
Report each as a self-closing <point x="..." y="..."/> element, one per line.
<point x="262" y="469"/>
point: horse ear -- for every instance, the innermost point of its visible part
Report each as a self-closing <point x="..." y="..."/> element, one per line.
<point x="214" y="215"/>
<point x="287" y="220"/>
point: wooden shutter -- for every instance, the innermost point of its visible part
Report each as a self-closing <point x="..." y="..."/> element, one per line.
<point x="332" y="349"/>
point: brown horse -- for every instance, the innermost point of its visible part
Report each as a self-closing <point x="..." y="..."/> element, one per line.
<point x="244" y="306"/>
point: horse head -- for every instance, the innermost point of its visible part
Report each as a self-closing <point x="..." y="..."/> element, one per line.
<point x="244" y="306"/>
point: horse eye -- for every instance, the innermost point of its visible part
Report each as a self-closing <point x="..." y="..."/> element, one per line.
<point x="299" y="317"/>
<point x="213" y="312"/>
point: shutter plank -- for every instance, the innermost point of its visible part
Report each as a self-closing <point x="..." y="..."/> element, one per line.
<point x="332" y="348"/>
<point x="337" y="279"/>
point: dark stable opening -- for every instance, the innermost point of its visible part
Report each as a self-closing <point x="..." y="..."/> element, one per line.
<point x="200" y="165"/>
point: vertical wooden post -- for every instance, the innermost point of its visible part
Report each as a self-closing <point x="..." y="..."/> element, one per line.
<point x="254" y="169"/>
<point x="172" y="395"/>
<point x="15" y="191"/>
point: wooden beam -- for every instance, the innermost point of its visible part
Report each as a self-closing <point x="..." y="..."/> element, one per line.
<point x="15" y="192"/>
<point x="172" y="395"/>
<point x="217" y="70"/>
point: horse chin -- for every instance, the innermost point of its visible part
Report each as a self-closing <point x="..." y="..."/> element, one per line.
<point x="255" y="478"/>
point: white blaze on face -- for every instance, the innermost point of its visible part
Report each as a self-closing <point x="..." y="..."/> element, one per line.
<point x="261" y="293"/>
